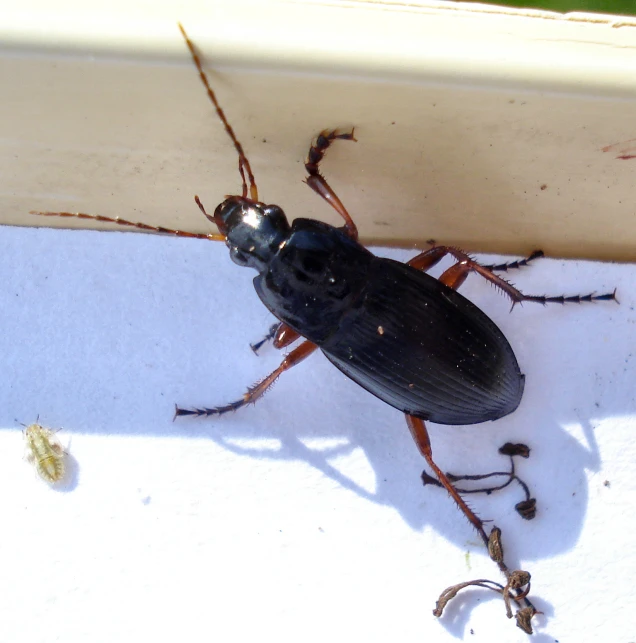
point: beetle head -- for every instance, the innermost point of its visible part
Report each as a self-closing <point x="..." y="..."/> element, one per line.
<point x="253" y="230"/>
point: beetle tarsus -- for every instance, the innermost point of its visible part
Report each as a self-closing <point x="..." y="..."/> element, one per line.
<point x="562" y="299"/>
<point x="209" y="412"/>
<point x="608" y="297"/>
<point x="317" y="182"/>
<point x="514" y="265"/>
<point x="271" y="334"/>
<point x="318" y="149"/>
<point x="255" y="392"/>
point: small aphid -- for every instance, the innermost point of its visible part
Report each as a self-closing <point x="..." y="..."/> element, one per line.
<point x="45" y="452"/>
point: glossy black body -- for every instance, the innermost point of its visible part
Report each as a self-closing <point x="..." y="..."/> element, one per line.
<point x="401" y="334"/>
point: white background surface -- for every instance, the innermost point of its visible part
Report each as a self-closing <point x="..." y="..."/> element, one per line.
<point x="302" y="518"/>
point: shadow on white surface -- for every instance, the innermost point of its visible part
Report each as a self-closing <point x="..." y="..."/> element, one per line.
<point x="103" y="332"/>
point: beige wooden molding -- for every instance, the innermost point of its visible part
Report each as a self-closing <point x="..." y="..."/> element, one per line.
<point x="492" y="129"/>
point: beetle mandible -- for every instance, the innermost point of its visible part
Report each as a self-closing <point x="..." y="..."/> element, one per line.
<point x="408" y="338"/>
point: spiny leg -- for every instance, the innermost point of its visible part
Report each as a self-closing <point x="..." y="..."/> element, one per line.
<point x="271" y="333"/>
<point x="427" y="259"/>
<point x="514" y="265"/>
<point x="456" y="275"/>
<point x="244" y="164"/>
<point x="285" y="336"/>
<point x="295" y="357"/>
<point x="282" y="335"/>
<point x="317" y="182"/>
<point x="423" y="442"/>
<point x="133" y="224"/>
<point x="517" y="580"/>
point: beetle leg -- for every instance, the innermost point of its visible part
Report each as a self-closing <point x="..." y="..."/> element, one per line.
<point x="317" y="182"/>
<point x="455" y="276"/>
<point x="271" y="333"/>
<point x="513" y="265"/>
<point x="428" y="258"/>
<point x="282" y="335"/>
<point x="285" y="336"/>
<point x="423" y="442"/>
<point x="295" y="357"/>
<point x="513" y="588"/>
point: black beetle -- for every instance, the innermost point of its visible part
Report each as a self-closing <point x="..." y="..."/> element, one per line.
<point x="409" y="339"/>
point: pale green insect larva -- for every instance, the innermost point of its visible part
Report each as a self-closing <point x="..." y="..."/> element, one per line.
<point x="45" y="452"/>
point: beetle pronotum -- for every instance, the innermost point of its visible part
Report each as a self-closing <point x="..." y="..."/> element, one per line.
<point x="408" y="338"/>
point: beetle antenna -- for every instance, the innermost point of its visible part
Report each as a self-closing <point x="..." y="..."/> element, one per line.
<point x="244" y="164"/>
<point x="133" y="224"/>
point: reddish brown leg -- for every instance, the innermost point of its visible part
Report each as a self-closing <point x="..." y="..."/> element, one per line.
<point x="295" y="357"/>
<point x="430" y="257"/>
<point x="285" y="336"/>
<point x="317" y="182"/>
<point x="457" y="274"/>
<point x="514" y="265"/>
<point x="516" y="580"/>
<point x="132" y="224"/>
<point x="282" y="335"/>
<point x="423" y="442"/>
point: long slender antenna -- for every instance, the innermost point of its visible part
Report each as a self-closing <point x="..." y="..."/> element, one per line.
<point x="132" y="224"/>
<point x="244" y="164"/>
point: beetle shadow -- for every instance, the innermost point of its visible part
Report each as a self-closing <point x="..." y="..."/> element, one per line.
<point x="386" y="443"/>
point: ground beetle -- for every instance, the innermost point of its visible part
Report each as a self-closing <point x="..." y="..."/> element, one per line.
<point x="409" y="339"/>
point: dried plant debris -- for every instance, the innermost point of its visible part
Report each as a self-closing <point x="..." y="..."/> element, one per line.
<point x="515" y="591"/>
<point x="527" y="508"/>
<point x="45" y="452"/>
